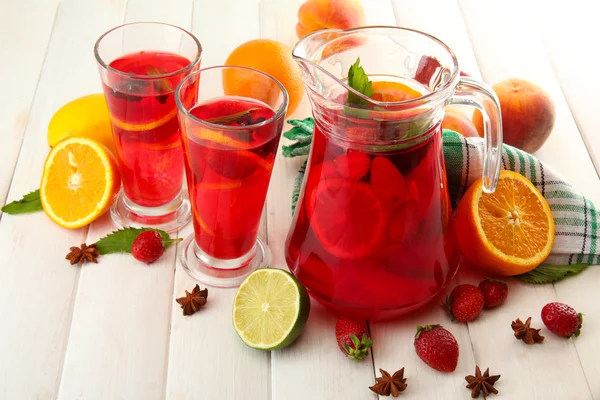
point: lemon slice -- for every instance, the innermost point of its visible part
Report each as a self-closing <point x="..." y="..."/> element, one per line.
<point x="270" y="309"/>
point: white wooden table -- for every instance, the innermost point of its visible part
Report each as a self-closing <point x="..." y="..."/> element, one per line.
<point x="113" y="330"/>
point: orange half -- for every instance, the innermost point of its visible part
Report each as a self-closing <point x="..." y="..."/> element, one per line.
<point x="508" y="232"/>
<point x="80" y="182"/>
<point x="391" y="92"/>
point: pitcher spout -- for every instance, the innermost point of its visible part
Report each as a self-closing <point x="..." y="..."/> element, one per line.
<point x="315" y="54"/>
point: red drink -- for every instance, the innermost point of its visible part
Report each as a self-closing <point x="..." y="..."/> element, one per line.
<point x="145" y="126"/>
<point x="373" y="234"/>
<point x="228" y="173"/>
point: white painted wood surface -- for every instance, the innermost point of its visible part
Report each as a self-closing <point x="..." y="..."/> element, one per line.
<point x="114" y="331"/>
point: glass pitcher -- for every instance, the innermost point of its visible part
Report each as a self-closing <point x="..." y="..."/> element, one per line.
<point x="373" y="233"/>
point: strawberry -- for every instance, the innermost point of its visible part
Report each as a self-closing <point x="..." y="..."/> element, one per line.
<point x="465" y="303"/>
<point x="436" y="347"/>
<point x="427" y="68"/>
<point x="347" y="334"/>
<point x="148" y="247"/>
<point x="561" y="319"/>
<point x="494" y="292"/>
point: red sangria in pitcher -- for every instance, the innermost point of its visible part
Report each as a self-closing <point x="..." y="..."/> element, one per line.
<point x="373" y="233"/>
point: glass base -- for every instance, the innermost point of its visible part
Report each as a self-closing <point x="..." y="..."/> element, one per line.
<point x="170" y="217"/>
<point x="221" y="273"/>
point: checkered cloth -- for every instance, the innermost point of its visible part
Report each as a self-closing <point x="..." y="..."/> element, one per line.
<point x="576" y="220"/>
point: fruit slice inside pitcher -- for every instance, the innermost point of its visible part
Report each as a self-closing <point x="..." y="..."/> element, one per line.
<point x="347" y="217"/>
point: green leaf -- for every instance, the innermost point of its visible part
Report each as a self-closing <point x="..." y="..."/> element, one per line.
<point x="296" y="149"/>
<point x="359" y="81"/>
<point x="29" y="203"/>
<point x="121" y="241"/>
<point x="550" y="273"/>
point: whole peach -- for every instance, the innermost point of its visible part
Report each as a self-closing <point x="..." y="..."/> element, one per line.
<point x="459" y="122"/>
<point x="528" y="114"/>
<point x="315" y="15"/>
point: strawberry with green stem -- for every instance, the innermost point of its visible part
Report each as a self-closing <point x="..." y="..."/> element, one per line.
<point x="352" y="338"/>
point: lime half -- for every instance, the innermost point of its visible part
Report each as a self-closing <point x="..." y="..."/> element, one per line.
<point x="270" y="309"/>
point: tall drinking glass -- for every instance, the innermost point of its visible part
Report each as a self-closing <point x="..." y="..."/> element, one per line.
<point x="231" y="120"/>
<point x="140" y="65"/>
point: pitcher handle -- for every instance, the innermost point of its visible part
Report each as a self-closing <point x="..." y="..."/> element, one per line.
<point x="474" y="93"/>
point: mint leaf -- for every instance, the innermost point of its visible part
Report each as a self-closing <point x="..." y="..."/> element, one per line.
<point x="359" y="81"/>
<point x="121" y="241"/>
<point x="550" y="273"/>
<point x="29" y="203"/>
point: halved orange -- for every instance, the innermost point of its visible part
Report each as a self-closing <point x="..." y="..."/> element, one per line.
<point x="391" y="92"/>
<point x="80" y="182"/>
<point x="509" y="232"/>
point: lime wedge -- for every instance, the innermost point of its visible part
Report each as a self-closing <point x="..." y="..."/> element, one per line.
<point x="270" y="309"/>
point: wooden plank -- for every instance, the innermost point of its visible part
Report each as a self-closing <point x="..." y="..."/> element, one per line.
<point x="504" y="53"/>
<point x="568" y="49"/>
<point x="445" y="23"/>
<point x="313" y="367"/>
<point x="424" y="382"/>
<point x="36" y="330"/>
<point x="24" y="36"/>
<point x="580" y="85"/>
<point x="206" y="357"/>
<point x="119" y="340"/>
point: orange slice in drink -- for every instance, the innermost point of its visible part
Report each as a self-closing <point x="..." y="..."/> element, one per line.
<point x="391" y="92"/>
<point x="509" y="232"/>
<point x="80" y="182"/>
<point x="147" y="126"/>
<point x="219" y="138"/>
<point x="347" y="218"/>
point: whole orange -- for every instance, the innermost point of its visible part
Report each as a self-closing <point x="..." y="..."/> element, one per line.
<point x="268" y="56"/>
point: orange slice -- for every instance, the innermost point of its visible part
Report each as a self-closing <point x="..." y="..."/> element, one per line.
<point x="509" y="232"/>
<point x="219" y="138"/>
<point x="144" y="127"/>
<point x="391" y="92"/>
<point x="80" y="182"/>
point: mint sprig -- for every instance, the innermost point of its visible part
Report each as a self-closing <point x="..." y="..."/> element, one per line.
<point x="550" y="273"/>
<point x="29" y="203"/>
<point x="359" y="81"/>
<point x="120" y="241"/>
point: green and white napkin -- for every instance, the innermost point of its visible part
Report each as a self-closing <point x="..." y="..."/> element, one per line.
<point x="577" y="222"/>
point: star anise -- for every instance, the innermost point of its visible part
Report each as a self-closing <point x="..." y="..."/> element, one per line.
<point x="387" y="384"/>
<point x="82" y="254"/>
<point x="192" y="302"/>
<point x="524" y="332"/>
<point x="482" y="383"/>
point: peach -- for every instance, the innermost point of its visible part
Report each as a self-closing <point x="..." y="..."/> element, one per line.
<point x="315" y="15"/>
<point x="528" y="114"/>
<point x="459" y="122"/>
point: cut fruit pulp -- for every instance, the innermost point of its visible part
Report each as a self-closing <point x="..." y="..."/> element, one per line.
<point x="347" y="217"/>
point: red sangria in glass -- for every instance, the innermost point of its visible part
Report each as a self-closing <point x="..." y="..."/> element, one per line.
<point x="373" y="233"/>
<point x="230" y="141"/>
<point x="141" y="65"/>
